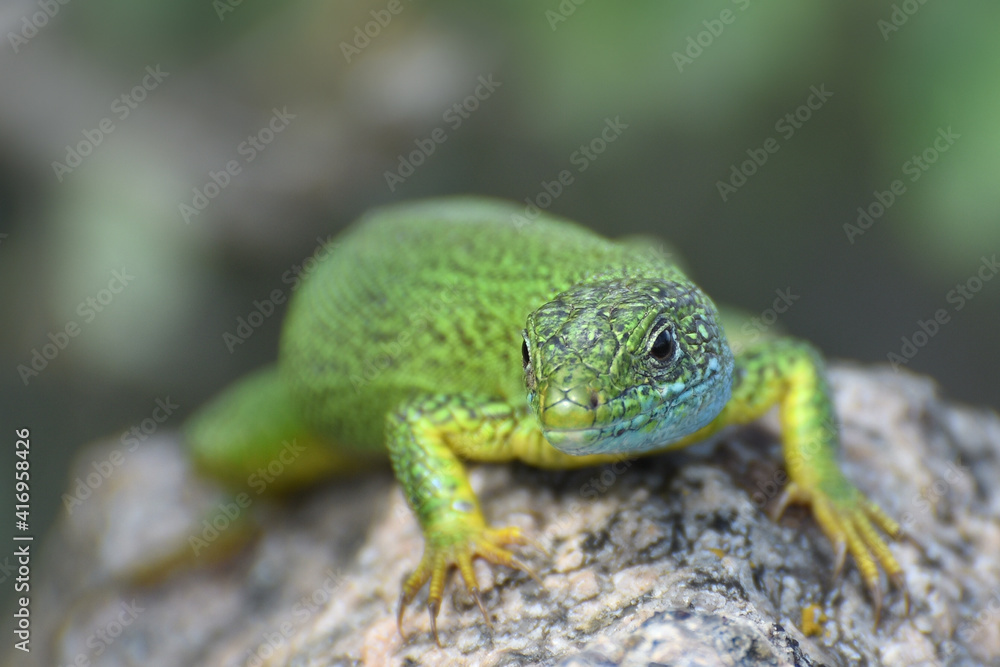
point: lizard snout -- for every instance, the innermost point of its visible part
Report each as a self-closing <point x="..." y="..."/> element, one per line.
<point x="569" y="408"/>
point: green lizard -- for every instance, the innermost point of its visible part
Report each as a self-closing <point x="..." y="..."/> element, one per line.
<point x="441" y="332"/>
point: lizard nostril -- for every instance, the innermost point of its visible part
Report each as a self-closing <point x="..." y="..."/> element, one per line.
<point x="595" y="400"/>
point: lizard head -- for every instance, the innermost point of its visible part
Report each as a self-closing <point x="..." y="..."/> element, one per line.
<point x="625" y="365"/>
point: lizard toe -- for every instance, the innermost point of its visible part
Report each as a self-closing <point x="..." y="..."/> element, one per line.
<point x="458" y="551"/>
<point x="852" y="524"/>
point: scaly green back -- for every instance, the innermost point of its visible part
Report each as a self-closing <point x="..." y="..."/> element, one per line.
<point x="432" y="297"/>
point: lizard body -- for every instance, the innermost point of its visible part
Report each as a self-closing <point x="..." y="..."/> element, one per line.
<point x="438" y="332"/>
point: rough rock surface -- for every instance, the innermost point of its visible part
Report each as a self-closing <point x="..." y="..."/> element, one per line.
<point x="656" y="561"/>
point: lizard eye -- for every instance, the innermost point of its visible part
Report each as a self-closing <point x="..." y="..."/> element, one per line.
<point x="525" y="357"/>
<point x="663" y="346"/>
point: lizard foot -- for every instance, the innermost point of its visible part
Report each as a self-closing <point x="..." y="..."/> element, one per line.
<point x="848" y="519"/>
<point x="443" y="551"/>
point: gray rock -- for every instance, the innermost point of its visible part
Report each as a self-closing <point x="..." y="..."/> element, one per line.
<point x="666" y="561"/>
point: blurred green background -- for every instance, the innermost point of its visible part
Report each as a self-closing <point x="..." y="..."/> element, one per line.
<point x="698" y="85"/>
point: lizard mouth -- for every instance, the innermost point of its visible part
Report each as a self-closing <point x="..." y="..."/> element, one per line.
<point x="596" y="439"/>
<point x="648" y="430"/>
<point x="611" y="427"/>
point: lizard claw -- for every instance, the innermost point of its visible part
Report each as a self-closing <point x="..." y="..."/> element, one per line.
<point x="444" y="551"/>
<point x="479" y="603"/>
<point x="433" y="608"/>
<point x="839" y="558"/>
<point x="849" y="520"/>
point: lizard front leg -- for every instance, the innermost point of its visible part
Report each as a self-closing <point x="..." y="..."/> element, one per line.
<point x="426" y="436"/>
